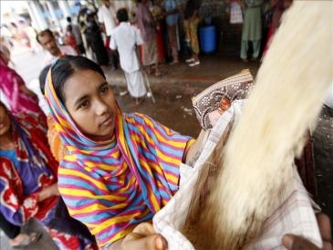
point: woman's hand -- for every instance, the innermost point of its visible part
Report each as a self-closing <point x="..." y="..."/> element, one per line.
<point x="293" y="242"/>
<point x="144" y="237"/>
<point x="48" y="192"/>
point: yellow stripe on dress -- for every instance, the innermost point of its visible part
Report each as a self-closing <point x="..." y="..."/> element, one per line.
<point x="75" y="173"/>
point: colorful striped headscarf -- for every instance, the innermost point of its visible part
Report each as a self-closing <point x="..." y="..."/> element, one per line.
<point x="113" y="185"/>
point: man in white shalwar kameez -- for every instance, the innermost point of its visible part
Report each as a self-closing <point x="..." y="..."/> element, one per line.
<point x="125" y="38"/>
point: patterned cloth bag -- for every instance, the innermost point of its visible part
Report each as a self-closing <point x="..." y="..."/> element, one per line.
<point x="208" y="103"/>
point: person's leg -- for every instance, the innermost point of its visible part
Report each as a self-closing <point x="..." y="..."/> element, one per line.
<point x="155" y="56"/>
<point x="194" y="39"/>
<point x="172" y="33"/>
<point x="244" y="49"/>
<point x="194" y="43"/>
<point x="11" y="230"/>
<point x="188" y="39"/>
<point x="187" y="31"/>
<point x="113" y="56"/>
<point x="148" y="56"/>
<point x="256" y="49"/>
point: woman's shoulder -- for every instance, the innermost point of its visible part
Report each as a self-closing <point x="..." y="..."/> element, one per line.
<point x="72" y="169"/>
<point x="137" y="118"/>
<point x="69" y="161"/>
<point x="144" y="122"/>
<point x="70" y="165"/>
<point x="73" y="162"/>
<point x="134" y="115"/>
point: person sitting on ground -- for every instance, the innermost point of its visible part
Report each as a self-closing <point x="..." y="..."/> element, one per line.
<point x="122" y="168"/>
<point x="16" y="238"/>
<point x="47" y="40"/>
<point x="125" y="38"/>
<point x="28" y="184"/>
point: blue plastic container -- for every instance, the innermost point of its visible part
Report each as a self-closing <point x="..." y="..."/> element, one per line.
<point x="207" y="39"/>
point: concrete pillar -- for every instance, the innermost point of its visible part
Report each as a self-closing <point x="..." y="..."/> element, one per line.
<point x="52" y="13"/>
<point x="36" y="15"/>
<point x="128" y="4"/>
<point x="64" y="8"/>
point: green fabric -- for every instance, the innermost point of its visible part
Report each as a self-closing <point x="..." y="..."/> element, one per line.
<point x="245" y="47"/>
<point x="252" y="27"/>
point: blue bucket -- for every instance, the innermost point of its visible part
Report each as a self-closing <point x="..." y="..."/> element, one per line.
<point x="207" y="39"/>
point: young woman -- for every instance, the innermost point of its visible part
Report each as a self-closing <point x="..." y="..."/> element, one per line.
<point x="121" y="168"/>
<point x="28" y="182"/>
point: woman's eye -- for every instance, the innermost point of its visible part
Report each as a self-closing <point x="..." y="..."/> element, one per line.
<point x="83" y="104"/>
<point x="104" y="89"/>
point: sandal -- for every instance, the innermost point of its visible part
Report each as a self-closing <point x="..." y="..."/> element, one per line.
<point x="29" y="240"/>
<point x="195" y="63"/>
<point x="190" y="60"/>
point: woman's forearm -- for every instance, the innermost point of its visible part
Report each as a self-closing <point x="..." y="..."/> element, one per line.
<point x="196" y="146"/>
<point x="48" y="192"/>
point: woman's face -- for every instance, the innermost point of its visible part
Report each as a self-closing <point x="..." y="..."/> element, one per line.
<point x="91" y="104"/>
<point x="4" y="121"/>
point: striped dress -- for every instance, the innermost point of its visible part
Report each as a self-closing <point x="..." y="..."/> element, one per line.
<point x="113" y="188"/>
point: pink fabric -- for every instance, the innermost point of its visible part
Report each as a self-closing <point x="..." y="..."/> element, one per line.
<point x="11" y="85"/>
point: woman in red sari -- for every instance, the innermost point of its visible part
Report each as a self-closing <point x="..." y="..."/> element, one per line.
<point x="70" y="38"/>
<point x="19" y="97"/>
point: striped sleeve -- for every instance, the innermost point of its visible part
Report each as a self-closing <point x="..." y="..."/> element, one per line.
<point x="167" y="145"/>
